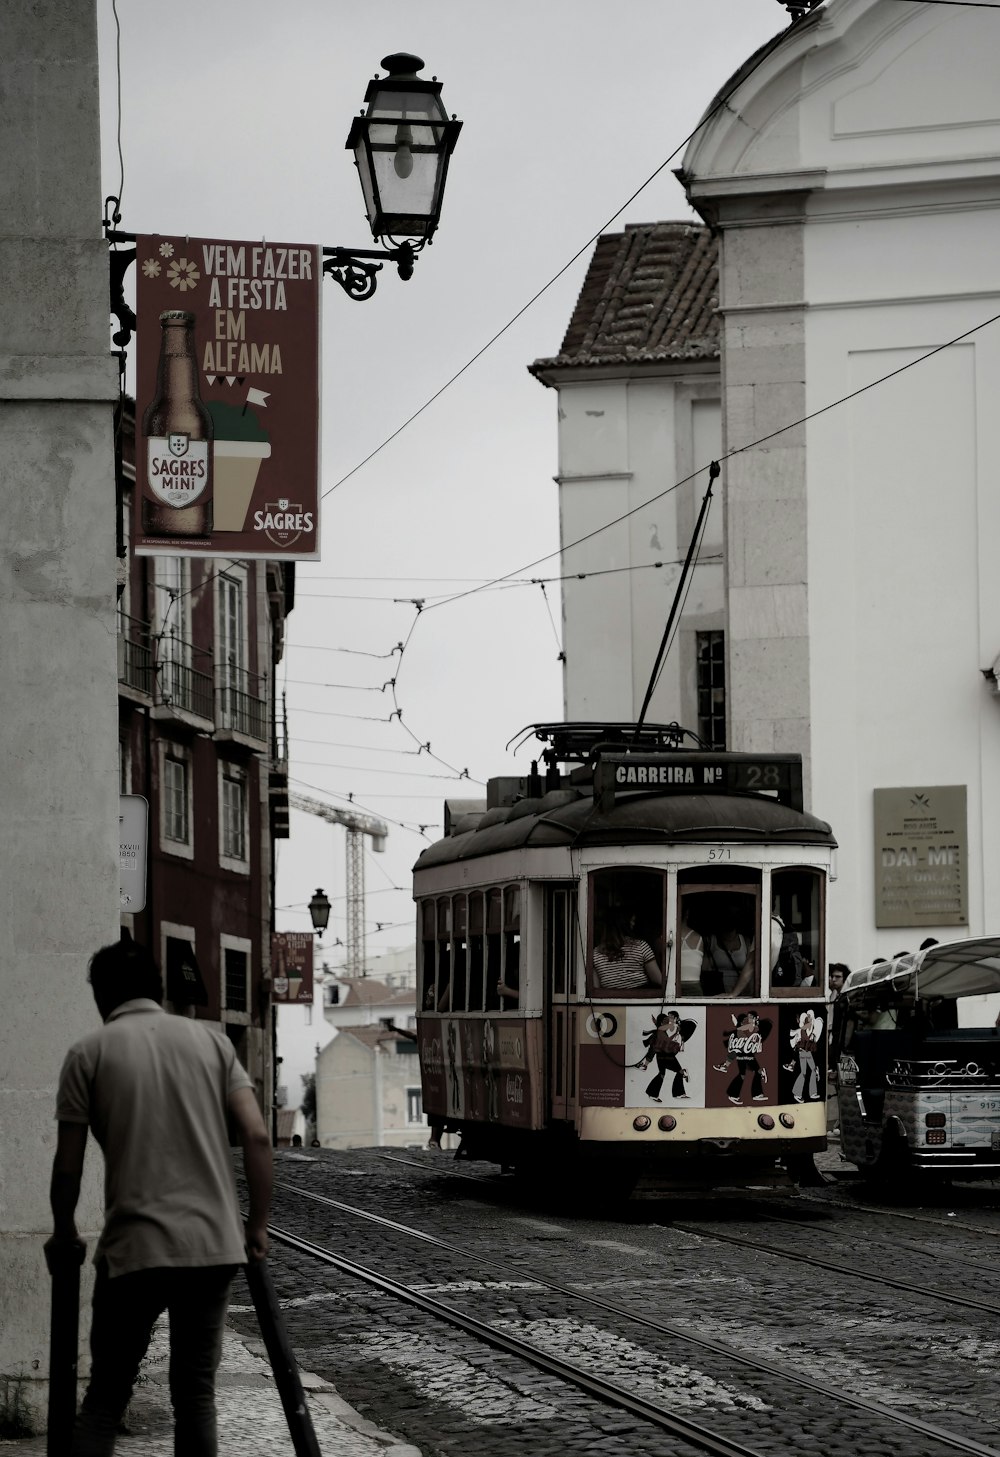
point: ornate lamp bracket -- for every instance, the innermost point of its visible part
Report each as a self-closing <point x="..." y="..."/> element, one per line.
<point x="121" y="259"/>
<point x="357" y="272"/>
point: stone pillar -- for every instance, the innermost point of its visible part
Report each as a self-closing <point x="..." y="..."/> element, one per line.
<point x="763" y="378"/>
<point x="58" y="673"/>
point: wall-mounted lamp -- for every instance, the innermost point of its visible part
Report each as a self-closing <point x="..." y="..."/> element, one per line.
<point x="319" y="910"/>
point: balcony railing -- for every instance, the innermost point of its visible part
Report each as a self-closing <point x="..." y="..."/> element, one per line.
<point x="180" y="686"/>
<point x="158" y="666"/>
<point x="135" y="655"/>
<point x="241" y="700"/>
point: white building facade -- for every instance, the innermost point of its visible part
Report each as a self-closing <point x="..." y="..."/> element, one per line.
<point x="852" y="177"/>
<point x="639" y="410"/>
<point x="850" y="182"/>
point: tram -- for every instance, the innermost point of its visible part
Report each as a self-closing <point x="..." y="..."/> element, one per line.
<point x="616" y="962"/>
<point x="917" y="1050"/>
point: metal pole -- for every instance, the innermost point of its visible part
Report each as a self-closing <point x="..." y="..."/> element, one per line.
<point x="64" y="1348"/>
<point x="282" y="1358"/>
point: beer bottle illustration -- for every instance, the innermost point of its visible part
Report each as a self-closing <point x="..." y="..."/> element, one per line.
<point x="179" y="432"/>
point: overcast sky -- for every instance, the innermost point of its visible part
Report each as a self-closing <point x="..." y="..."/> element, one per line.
<point x="234" y="115"/>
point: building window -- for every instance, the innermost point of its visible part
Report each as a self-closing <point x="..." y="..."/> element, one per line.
<point x="236" y="980"/>
<point x="414" y="1106"/>
<point x="175" y="788"/>
<point x="711" y="679"/>
<point x="175" y="800"/>
<point x="233" y="806"/>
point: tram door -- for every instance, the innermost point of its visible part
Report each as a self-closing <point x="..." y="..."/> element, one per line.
<point x="561" y="971"/>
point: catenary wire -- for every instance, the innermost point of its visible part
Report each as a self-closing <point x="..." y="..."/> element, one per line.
<point x="719" y="104"/>
<point x="730" y="455"/>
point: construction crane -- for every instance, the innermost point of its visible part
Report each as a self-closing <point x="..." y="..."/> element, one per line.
<point x="357" y="824"/>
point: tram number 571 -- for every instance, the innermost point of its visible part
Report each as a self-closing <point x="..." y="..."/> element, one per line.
<point x="720" y="852"/>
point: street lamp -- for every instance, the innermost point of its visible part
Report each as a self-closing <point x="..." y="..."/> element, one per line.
<point x="319" y="910"/>
<point x="402" y="145"/>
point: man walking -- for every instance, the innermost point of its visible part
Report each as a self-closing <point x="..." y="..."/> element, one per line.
<point x="158" y="1093"/>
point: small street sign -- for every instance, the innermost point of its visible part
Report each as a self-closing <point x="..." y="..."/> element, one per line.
<point x="133" y="838"/>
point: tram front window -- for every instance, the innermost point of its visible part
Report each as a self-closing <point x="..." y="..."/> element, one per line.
<point x="626" y="931"/>
<point x="797" y="951"/>
<point x="717" y="936"/>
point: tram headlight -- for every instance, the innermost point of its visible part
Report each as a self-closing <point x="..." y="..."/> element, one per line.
<point x="786" y="1120"/>
<point x="765" y="1120"/>
<point x="935" y="1120"/>
<point x="937" y="1135"/>
<point x="666" y="1123"/>
<point x="641" y="1123"/>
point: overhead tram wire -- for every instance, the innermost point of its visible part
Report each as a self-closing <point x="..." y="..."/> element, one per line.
<point x="730" y="455"/>
<point x="422" y="608"/>
<point x="680" y="596"/>
<point x="420" y="604"/>
<point x="719" y="105"/>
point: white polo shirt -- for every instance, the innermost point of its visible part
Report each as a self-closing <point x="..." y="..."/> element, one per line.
<point x="154" y="1090"/>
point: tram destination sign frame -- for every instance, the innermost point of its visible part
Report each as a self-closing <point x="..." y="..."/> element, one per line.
<point x="775" y="776"/>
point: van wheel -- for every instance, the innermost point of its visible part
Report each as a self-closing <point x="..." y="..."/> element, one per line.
<point x="893" y="1163"/>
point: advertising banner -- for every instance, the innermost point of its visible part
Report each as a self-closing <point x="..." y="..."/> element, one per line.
<point x="292" y="967"/>
<point x="227" y="398"/>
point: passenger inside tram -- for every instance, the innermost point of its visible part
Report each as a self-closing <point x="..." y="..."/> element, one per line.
<point x="628" y="931"/>
<point x="622" y="960"/>
<point x="729" y="960"/>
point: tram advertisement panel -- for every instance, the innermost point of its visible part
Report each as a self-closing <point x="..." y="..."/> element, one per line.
<point x="802" y="1044"/>
<point x="479" y="1069"/>
<point x="722" y="1055"/>
<point x="742" y="1055"/>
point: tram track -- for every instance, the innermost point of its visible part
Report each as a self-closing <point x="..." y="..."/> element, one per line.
<point x="610" y="1392"/>
<point x="784" y="1253"/>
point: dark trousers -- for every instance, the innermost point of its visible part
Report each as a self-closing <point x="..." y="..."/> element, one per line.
<point x="667" y="1062"/>
<point x="125" y="1311"/>
<point x="743" y="1066"/>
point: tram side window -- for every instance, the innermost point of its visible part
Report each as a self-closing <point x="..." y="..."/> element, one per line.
<point x="428" y="947"/>
<point x="494" y="948"/>
<point x="717" y="924"/>
<point x="477" y="951"/>
<point x="459" y="954"/>
<point x="443" y="954"/>
<point x="626" y="931"/>
<point x="797" y="950"/>
<point x="511" y="984"/>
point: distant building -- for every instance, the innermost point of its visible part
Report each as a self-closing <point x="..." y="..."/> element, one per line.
<point x="368" y="1077"/>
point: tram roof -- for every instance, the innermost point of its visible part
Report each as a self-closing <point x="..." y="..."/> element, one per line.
<point x="956" y="969"/>
<point x="570" y="818"/>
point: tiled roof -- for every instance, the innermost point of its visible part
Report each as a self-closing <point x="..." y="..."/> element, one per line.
<point x="651" y="294"/>
<point x="372" y="993"/>
<point x="371" y="1037"/>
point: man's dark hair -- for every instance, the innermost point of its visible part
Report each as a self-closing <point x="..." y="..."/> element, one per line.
<point x="121" y="972"/>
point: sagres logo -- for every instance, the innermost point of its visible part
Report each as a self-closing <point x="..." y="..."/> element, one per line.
<point x="283" y="521"/>
<point x="178" y="444"/>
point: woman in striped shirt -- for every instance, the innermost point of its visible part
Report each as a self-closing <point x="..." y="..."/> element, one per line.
<point x="623" y="962"/>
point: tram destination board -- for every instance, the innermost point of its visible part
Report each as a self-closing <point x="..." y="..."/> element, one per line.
<point x="778" y="776"/>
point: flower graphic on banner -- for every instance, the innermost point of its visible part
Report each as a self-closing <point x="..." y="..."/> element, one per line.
<point x="182" y="275"/>
<point x="166" y="250"/>
<point x="151" y="267"/>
